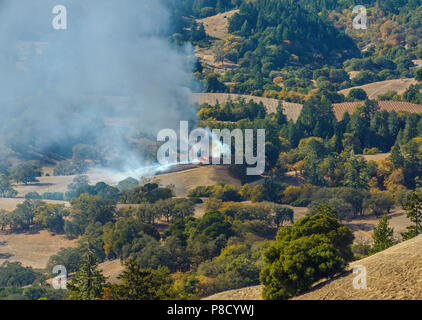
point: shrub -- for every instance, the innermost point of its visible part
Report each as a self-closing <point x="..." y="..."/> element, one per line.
<point x="357" y="94"/>
<point x="301" y="203"/>
<point x="33" y="195"/>
<point x="69" y="195"/>
<point x="127" y="184"/>
<point x="71" y="258"/>
<point x="418" y="74"/>
<point x="13" y="274"/>
<point x="53" y="196"/>
<point x="69" y="167"/>
<point x="371" y="150"/>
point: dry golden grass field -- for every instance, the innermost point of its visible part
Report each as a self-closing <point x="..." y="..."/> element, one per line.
<point x="362" y="227"/>
<point x="206" y="55"/>
<point x="376" y="157"/>
<point x="217" y="26"/>
<point x="32" y="249"/>
<point x="202" y="176"/>
<point x="11" y="203"/>
<point x="393" y="274"/>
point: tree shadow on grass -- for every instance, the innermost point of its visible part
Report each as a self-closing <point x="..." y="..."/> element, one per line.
<point x="5" y="255"/>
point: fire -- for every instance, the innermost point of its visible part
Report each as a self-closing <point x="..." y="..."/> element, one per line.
<point x="204" y="160"/>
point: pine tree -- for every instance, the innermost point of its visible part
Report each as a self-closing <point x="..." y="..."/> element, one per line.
<point x="325" y="209"/>
<point x="410" y="128"/>
<point x="201" y="32"/>
<point x="246" y="28"/>
<point x="413" y="206"/>
<point x="280" y="117"/>
<point x="219" y="7"/>
<point x="396" y="157"/>
<point x="383" y="236"/>
<point x="142" y="284"/>
<point x="89" y="282"/>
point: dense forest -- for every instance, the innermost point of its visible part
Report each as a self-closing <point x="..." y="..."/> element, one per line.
<point x="286" y="49"/>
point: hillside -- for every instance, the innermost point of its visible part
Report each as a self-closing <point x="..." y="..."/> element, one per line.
<point x="202" y="176"/>
<point x="291" y="110"/>
<point x="394" y="274"/>
<point x="217" y="26"/>
<point x="33" y="248"/>
<point x="375" y="89"/>
<point x="341" y="108"/>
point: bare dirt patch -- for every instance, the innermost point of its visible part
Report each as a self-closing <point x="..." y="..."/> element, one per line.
<point x="376" y="157"/>
<point x="417" y="63"/>
<point x="199" y="210"/>
<point x="293" y="179"/>
<point x="112" y="269"/>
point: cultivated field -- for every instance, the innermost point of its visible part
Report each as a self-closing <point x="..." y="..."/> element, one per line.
<point x="373" y="90"/>
<point x="341" y="108"/>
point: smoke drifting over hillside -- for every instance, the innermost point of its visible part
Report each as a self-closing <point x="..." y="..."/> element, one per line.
<point x="114" y="59"/>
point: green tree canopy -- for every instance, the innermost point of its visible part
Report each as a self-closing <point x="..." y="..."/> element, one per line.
<point x="313" y="248"/>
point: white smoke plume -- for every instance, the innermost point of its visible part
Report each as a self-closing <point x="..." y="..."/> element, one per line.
<point x="114" y="60"/>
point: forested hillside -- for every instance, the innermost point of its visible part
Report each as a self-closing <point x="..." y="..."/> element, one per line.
<point x="285" y="49"/>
